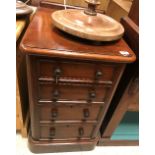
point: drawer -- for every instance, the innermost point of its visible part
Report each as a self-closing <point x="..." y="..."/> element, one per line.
<point x="48" y="91"/>
<point x="74" y="70"/>
<point x="66" y="131"/>
<point x="70" y="112"/>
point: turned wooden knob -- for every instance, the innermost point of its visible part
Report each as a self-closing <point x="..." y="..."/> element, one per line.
<point x="92" y="95"/>
<point x="98" y="74"/>
<point x="86" y="113"/>
<point x="57" y="72"/>
<point x="81" y="132"/>
<point x="56" y="95"/>
<point x="54" y="113"/>
<point x="52" y="132"/>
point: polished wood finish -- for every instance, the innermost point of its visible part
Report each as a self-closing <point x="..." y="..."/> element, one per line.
<point x="87" y="24"/>
<point x="67" y="99"/>
<point x="69" y="46"/>
<point x="127" y="94"/>
<point x="48" y="67"/>
<point x="66" y="73"/>
<point x="61" y="146"/>
<point x="67" y="111"/>
<point x="72" y="131"/>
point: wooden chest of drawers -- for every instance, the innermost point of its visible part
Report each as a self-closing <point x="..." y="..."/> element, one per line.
<point x="71" y="83"/>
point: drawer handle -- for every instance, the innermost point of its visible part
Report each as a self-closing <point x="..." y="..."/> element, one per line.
<point x="98" y="75"/>
<point x="52" y="132"/>
<point x="54" y="113"/>
<point x="56" y="95"/>
<point x="81" y="132"/>
<point x="86" y="113"/>
<point x="92" y="96"/>
<point x="57" y="73"/>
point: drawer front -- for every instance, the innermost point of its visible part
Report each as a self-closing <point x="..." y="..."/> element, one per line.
<point x="66" y="131"/>
<point x="48" y="91"/>
<point x="70" y="112"/>
<point x="75" y="70"/>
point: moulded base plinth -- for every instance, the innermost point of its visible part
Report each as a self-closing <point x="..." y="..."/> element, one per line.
<point x="50" y="146"/>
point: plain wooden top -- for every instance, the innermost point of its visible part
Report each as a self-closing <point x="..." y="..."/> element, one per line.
<point x="43" y="38"/>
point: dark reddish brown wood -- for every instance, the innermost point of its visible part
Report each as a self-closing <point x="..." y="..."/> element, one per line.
<point x="67" y="131"/>
<point x="66" y="71"/>
<point x="72" y="112"/>
<point x="59" y="146"/>
<point x="78" y="92"/>
<point x="47" y="68"/>
<point x="33" y="62"/>
<point x="59" y="44"/>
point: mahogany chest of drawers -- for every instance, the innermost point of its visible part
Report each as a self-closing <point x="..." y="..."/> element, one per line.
<point x="71" y="82"/>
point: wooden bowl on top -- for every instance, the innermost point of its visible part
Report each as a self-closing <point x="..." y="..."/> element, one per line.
<point x="99" y="27"/>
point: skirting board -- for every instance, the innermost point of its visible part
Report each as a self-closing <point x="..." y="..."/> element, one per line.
<point x="109" y="142"/>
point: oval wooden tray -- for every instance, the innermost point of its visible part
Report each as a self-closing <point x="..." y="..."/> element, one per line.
<point x="99" y="27"/>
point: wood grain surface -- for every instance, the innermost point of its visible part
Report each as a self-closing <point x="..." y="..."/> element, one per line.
<point x="56" y="43"/>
